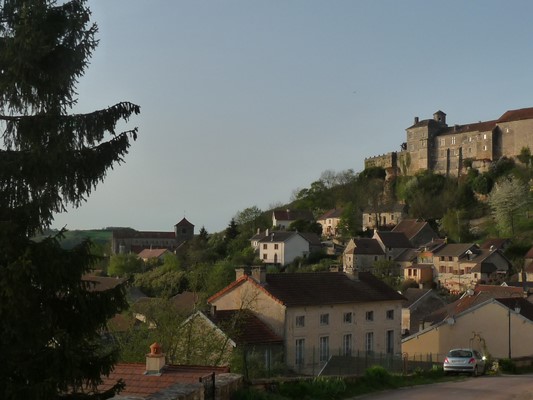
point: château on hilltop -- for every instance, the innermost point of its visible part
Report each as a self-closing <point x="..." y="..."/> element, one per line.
<point x="433" y="145"/>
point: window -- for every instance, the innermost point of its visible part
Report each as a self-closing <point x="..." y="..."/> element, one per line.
<point x="390" y="314"/>
<point x="369" y="342"/>
<point x="450" y="258"/>
<point x="264" y="256"/>
<point x="370" y="315"/>
<point x="300" y="349"/>
<point x="484" y="148"/>
<point x="390" y="342"/>
<point x="414" y="272"/>
<point x="275" y="246"/>
<point x="324" y="319"/>
<point x="442" y="258"/>
<point x="484" y="136"/>
<point x="264" y="246"/>
<point x="347" y="344"/>
<point x="324" y="348"/>
<point x="300" y="321"/>
<point x="453" y="139"/>
<point x="347" y="318"/>
<point x="443" y="142"/>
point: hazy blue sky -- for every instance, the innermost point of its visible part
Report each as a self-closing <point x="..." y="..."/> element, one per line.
<point x="242" y="102"/>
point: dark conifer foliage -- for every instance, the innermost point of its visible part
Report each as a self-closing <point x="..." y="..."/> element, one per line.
<point x="51" y="158"/>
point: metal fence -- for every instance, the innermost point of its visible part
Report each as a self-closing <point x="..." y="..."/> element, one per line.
<point x="267" y="362"/>
<point x="358" y="362"/>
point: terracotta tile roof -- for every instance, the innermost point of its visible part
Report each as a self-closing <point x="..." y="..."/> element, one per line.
<point x="455" y="249"/>
<point x="474" y="127"/>
<point x="366" y="246"/>
<point x="516" y="115"/>
<point x="496" y="242"/>
<point x="407" y="255"/>
<point x="414" y="294"/>
<point x="139" y="384"/>
<point x="321" y="288"/>
<point x="458" y="306"/>
<point x="410" y="227"/>
<point x="498" y="291"/>
<point x="101" y="283"/>
<point x="293" y="215"/>
<point x="152" y="253"/>
<point x="395" y="240"/>
<point x="334" y="213"/>
<point x="250" y="330"/>
<point x="184" y="303"/>
<point x="311" y="237"/>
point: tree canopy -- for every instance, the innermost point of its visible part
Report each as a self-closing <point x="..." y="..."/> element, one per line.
<point x="51" y="158"/>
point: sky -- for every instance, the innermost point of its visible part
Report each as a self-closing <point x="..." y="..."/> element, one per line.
<point x="244" y="102"/>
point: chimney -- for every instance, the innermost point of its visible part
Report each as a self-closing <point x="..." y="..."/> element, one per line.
<point x="240" y="272"/>
<point x="155" y="360"/>
<point x="352" y="273"/>
<point x="213" y="310"/>
<point x="266" y="232"/>
<point x="416" y="120"/>
<point x="259" y="273"/>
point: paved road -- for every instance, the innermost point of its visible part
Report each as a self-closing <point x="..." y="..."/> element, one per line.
<point x="506" y="387"/>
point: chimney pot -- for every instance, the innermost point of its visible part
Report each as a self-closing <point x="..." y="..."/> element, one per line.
<point x="416" y="120"/>
<point x="155" y="360"/>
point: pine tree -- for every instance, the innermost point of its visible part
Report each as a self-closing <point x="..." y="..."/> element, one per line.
<point x="51" y="158"/>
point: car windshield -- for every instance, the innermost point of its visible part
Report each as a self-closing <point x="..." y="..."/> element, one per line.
<point x="460" y="353"/>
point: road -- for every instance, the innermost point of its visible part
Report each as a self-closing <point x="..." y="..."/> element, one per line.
<point x="506" y="387"/>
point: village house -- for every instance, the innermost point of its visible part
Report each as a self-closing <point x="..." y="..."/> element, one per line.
<point x="386" y="216"/>
<point x="283" y="247"/>
<point x="319" y="314"/>
<point x="153" y="254"/>
<point x="361" y="254"/>
<point x="419" y="304"/>
<point x="500" y="327"/>
<point x="127" y="240"/>
<point x="330" y="221"/>
<point x="213" y="337"/>
<point x="460" y="266"/>
<point x="282" y="219"/>
<point x="419" y="232"/>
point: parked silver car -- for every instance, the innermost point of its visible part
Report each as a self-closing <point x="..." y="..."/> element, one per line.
<point x="464" y="360"/>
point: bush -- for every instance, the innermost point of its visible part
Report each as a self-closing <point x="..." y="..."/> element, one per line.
<point x="318" y="388"/>
<point x="507" y="365"/>
<point x="377" y="376"/>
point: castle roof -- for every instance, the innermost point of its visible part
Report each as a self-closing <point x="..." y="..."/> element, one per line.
<point x="517" y="115"/>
